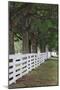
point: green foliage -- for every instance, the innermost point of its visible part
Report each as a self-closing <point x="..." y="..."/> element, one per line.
<point x="36" y="17"/>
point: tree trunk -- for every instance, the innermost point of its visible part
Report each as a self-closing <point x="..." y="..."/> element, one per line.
<point x="25" y="42"/>
<point x="46" y="48"/>
<point x="34" y="44"/>
<point x="11" y="42"/>
<point x="42" y="48"/>
<point x="38" y="49"/>
<point x="29" y="46"/>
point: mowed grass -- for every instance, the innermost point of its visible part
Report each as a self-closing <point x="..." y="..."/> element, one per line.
<point x="45" y="75"/>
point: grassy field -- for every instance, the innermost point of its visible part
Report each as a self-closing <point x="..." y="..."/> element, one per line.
<point x="45" y="75"/>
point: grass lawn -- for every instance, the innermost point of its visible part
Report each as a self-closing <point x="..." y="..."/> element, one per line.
<point x="45" y="75"/>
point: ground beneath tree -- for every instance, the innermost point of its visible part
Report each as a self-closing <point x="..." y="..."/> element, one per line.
<point x="45" y="75"/>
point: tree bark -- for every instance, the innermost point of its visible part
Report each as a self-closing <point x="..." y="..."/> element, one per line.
<point x="11" y="42"/>
<point x="46" y="48"/>
<point x="34" y="43"/>
<point x="25" y="42"/>
<point x="42" y="48"/>
<point x="29" y="46"/>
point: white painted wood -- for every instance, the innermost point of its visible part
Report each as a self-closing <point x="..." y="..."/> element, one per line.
<point x="11" y="75"/>
<point x="11" y="70"/>
<point x="18" y="72"/>
<point x="18" y="67"/>
<point x="11" y="64"/>
<point x="21" y="67"/>
<point x="17" y="62"/>
<point x="12" y="81"/>
<point x="25" y="60"/>
<point x="14" y="73"/>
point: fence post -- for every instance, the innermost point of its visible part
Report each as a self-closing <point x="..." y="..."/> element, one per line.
<point x="34" y="60"/>
<point x="47" y="54"/>
<point x="37" y="60"/>
<point x="30" y="63"/>
<point x="40" y="57"/>
<point x="21" y="67"/>
<point x="14" y="72"/>
<point x="27" y="64"/>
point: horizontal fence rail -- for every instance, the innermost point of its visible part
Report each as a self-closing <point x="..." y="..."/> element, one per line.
<point x="21" y="64"/>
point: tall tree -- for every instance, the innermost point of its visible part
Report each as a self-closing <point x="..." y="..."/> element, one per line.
<point x="34" y="17"/>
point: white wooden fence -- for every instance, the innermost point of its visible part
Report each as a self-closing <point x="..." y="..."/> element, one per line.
<point x="20" y="65"/>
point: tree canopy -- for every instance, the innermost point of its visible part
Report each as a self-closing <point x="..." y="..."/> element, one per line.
<point x="35" y="17"/>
